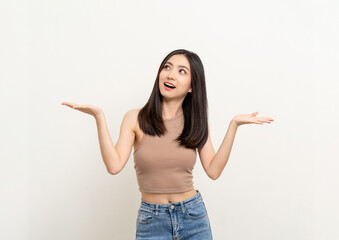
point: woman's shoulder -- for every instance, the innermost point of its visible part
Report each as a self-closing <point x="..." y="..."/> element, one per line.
<point x="132" y="113"/>
<point x="131" y="117"/>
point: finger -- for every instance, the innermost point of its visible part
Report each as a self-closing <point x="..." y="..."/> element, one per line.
<point x="64" y="103"/>
<point x="69" y="104"/>
<point x="80" y="106"/>
<point x="261" y="121"/>
<point x="265" y="119"/>
<point x="268" y="118"/>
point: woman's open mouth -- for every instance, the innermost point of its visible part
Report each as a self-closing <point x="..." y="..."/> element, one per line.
<point x="168" y="86"/>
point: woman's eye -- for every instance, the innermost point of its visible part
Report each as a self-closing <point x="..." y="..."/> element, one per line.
<point x="180" y="69"/>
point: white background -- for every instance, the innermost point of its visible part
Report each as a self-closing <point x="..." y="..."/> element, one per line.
<point x="279" y="58"/>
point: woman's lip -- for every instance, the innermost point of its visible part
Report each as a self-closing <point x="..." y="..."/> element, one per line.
<point x="169" y="83"/>
<point x="167" y="88"/>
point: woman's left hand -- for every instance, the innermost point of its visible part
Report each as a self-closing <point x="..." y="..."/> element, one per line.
<point x="241" y="119"/>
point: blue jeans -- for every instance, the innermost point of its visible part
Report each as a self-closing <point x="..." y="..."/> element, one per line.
<point x="174" y="221"/>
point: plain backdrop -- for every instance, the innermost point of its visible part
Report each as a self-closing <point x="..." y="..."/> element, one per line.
<point x="279" y="58"/>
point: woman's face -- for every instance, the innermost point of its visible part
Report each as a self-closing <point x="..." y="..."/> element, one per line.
<point x="176" y="71"/>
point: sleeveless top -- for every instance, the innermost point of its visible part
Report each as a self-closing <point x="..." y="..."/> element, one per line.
<point x="161" y="165"/>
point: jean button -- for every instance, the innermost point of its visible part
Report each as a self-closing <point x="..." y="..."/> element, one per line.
<point x="172" y="207"/>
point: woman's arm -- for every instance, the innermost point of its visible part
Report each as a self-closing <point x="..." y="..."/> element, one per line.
<point x="213" y="163"/>
<point x="116" y="157"/>
<point x="221" y="157"/>
<point x="109" y="153"/>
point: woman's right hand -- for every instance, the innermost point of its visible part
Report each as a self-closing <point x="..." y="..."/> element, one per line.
<point x="86" y="108"/>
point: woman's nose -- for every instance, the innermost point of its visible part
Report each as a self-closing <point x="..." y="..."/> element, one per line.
<point x="171" y="74"/>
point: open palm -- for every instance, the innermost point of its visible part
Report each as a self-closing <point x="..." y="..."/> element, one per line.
<point x="86" y="108"/>
<point x="241" y="119"/>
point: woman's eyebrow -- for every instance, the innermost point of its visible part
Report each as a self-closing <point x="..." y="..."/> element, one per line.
<point x="178" y="65"/>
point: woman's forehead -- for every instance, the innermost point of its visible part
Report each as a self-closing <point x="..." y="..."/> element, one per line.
<point x="178" y="60"/>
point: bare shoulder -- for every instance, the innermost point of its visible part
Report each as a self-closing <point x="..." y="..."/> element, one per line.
<point x="131" y="117"/>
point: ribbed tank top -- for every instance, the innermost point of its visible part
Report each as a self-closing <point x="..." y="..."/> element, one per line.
<point x="161" y="165"/>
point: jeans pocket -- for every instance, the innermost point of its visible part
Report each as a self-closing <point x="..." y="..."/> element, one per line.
<point x="145" y="216"/>
<point x="196" y="210"/>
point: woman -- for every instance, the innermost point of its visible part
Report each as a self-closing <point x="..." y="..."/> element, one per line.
<point x="165" y="134"/>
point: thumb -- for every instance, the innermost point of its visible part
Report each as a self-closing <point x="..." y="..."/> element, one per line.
<point x="254" y="114"/>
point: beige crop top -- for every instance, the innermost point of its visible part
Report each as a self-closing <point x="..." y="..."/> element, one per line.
<point x="161" y="165"/>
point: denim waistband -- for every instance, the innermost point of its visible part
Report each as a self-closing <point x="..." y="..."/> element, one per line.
<point x="171" y="206"/>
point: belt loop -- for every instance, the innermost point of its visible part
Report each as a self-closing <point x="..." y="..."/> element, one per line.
<point x="182" y="207"/>
<point x="156" y="209"/>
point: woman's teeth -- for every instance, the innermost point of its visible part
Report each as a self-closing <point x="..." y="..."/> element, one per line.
<point x="170" y="86"/>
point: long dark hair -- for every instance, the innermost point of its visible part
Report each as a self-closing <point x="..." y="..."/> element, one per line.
<point x="194" y="106"/>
